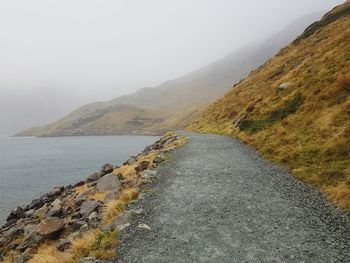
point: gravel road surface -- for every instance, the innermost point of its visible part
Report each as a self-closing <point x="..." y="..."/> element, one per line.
<point x="216" y="200"/>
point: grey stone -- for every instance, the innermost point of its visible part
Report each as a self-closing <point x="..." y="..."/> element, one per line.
<point x="54" y="211"/>
<point x="63" y="244"/>
<point x="106" y="169"/>
<point x="77" y="224"/>
<point x="16" y="214"/>
<point x="13" y="233"/>
<point x="42" y="211"/>
<point x="32" y="240"/>
<point x="121" y="219"/>
<point x="94" y="176"/>
<point x="88" y="207"/>
<point x="284" y="86"/>
<point x="108" y="183"/>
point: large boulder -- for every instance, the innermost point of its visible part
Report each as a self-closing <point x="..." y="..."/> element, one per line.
<point x="108" y="183"/>
<point x="88" y="207"/>
<point x="50" y="226"/>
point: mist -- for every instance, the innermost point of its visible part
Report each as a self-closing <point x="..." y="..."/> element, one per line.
<point x="58" y="55"/>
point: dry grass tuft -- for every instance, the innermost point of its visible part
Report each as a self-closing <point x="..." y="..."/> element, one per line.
<point x="83" y="245"/>
<point x="115" y="207"/>
<point x="50" y="254"/>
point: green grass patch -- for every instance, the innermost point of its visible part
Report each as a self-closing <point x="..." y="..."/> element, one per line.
<point x="290" y="107"/>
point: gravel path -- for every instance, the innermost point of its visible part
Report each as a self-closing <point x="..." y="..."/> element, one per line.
<point x="217" y="201"/>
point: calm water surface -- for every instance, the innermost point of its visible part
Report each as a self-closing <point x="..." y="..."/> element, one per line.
<point x="30" y="167"/>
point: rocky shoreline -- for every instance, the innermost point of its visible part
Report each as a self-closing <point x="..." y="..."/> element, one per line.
<point x="61" y="220"/>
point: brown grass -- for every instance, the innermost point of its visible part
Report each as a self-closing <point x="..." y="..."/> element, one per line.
<point x="115" y="207"/>
<point x="314" y="141"/>
<point x="49" y="254"/>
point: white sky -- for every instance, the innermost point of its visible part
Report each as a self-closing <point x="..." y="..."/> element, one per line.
<point x="58" y="54"/>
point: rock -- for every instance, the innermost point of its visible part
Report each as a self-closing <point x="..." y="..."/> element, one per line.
<point x="28" y="230"/>
<point x="63" y="244"/>
<point x="83" y="196"/>
<point x="55" y="192"/>
<point x="108" y="182"/>
<point x="30" y="213"/>
<point x="107" y="169"/>
<point x="137" y="212"/>
<point x="94" y="177"/>
<point x="142" y="166"/>
<point x="18" y="259"/>
<point x="54" y="211"/>
<point x="121" y="227"/>
<point x="79" y="184"/>
<point x="76" y="215"/>
<point x="121" y="219"/>
<point x="144" y="226"/>
<point x="92" y="216"/>
<point x="56" y="202"/>
<point x="284" y="86"/>
<point x="35" y="204"/>
<point x="16" y="214"/>
<point x="50" y="226"/>
<point x="9" y="223"/>
<point x="32" y="240"/>
<point x="88" y="207"/>
<point x="13" y="233"/>
<point x="41" y="212"/>
<point x="131" y="161"/>
<point x="88" y="260"/>
<point x="85" y="228"/>
<point x="77" y="224"/>
<point x="238" y="120"/>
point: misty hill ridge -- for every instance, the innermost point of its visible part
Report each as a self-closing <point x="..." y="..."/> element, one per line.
<point x="173" y="103"/>
<point x="295" y="109"/>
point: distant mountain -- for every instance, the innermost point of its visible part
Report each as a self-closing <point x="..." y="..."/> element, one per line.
<point x="295" y="109"/>
<point x="173" y="103"/>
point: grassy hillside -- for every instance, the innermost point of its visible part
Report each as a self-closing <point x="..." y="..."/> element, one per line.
<point x="295" y="109"/>
<point x="173" y="103"/>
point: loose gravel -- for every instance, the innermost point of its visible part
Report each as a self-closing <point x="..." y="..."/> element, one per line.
<point x="216" y="200"/>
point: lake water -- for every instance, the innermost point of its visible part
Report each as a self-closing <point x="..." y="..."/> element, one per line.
<point x="30" y="167"/>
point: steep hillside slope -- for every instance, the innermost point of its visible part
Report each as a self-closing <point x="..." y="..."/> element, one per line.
<point x="173" y="103"/>
<point x="295" y="109"/>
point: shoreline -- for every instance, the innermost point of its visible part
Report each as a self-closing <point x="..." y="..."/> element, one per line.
<point x="78" y="215"/>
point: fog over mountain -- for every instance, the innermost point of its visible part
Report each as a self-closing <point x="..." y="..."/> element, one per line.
<point x="58" y="55"/>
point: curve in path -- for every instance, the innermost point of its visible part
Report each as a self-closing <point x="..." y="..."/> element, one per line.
<point x="216" y="200"/>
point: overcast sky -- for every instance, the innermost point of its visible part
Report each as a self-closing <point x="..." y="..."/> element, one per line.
<point x="57" y="55"/>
